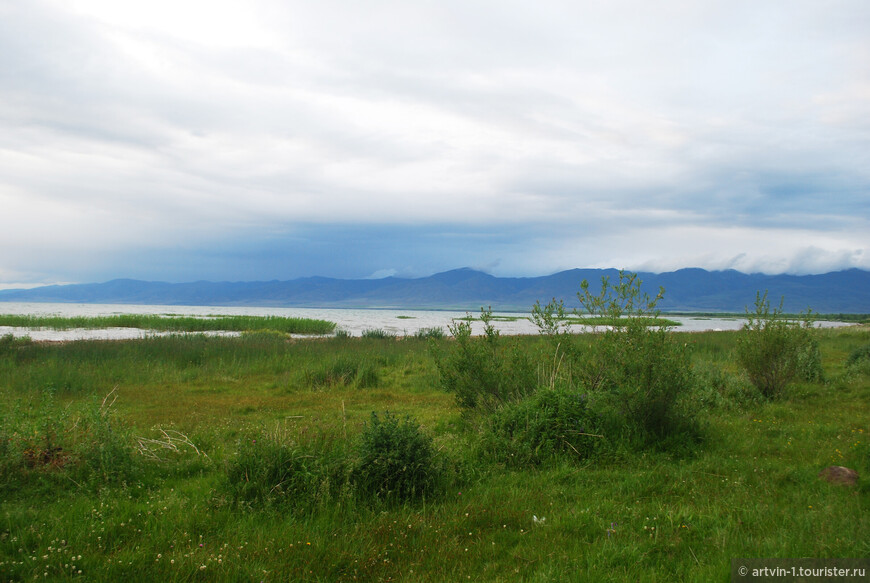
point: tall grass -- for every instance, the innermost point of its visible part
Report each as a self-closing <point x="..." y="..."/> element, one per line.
<point x="173" y="323"/>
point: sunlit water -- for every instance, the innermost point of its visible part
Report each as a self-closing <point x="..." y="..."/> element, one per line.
<point x="353" y="321"/>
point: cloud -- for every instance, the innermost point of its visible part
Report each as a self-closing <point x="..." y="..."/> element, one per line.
<point x="237" y="140"/>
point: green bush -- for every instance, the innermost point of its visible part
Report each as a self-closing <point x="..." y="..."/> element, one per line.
<point x="395" y="460"/>
<point x="484" y="372"/>
<point x="548" y="425"/>
<point x="638" y="374"/>
<point x="774" y="350"/>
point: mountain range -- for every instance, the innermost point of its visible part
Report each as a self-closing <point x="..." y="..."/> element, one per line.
<point x="691" y="290"/>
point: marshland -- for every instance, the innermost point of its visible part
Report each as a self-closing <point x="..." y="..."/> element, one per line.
<point x="636" y="452"/>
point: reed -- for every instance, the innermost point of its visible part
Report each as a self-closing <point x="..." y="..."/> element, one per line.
<point x="165" y="323"/>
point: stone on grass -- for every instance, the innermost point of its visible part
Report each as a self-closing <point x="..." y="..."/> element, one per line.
<point x="839" y="475"/>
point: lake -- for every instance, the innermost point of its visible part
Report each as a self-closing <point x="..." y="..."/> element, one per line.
<point x="354" y="321"/>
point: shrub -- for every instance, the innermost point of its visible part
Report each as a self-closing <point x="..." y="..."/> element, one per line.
<point x="547" y="425"/>
<point x="395" y="460"/>
<point x="773" y="350"/>
<point x="484" y="372"/>
<point x="638" y="373"/>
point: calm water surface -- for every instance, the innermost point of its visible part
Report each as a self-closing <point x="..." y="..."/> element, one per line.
<point x="354" y="321"/>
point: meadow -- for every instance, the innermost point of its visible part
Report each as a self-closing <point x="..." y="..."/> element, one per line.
<point x="156" y="460"/>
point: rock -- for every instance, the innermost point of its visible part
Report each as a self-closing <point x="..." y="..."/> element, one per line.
<point x="839" y="475"/>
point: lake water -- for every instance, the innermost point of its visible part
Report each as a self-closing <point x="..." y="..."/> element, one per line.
<point x="354" y="321"/>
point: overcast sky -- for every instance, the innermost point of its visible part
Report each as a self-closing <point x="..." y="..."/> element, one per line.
<point x="181" y="140"/>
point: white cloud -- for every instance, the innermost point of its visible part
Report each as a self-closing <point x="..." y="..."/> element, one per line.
<point x="143" y="126"/>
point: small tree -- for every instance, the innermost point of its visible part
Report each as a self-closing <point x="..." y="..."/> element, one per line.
<point x="484" y="372"/>
<point x="634" y="368"/>
<point x="774" y="349"/>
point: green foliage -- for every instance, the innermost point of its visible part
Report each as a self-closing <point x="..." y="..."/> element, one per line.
<point x="272" y="469"/>
<point x="716" y="389"/>
<point x="343" y="371"/>
<point x="753" y="488"/>
<point x="484" y="372"/>
<point x="637" y="373"/>
<point x="378" y="334"/>
<point x="774" y="350"/>
<point x="429" y="334"/>
<point x="859" y="360"/>
<point x="9" y="343"/>
<point x="395" y="460"/>
<point x="859" y="355"/>
<point x="548" y="425"/>
<point x="173" y="323"/>
<point x="43" y="441"/>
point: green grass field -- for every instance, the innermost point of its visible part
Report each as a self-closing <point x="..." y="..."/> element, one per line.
<point x="117" y="462"/>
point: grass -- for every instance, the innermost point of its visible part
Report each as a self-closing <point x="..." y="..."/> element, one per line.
<point x="607" y="321"/>
<point x="165" y="323"/>
<point x="750" y="489"/>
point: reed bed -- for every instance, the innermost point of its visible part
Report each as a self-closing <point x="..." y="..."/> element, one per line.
<point x="164" y="323"/>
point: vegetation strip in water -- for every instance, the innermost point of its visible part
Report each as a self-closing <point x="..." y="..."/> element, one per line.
<point x="813" y="316"/>
<point x="173" y="323"/>
<point x="608" y="321"/>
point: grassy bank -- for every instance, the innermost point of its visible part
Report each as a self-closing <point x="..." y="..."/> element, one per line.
<point x="119" y="460"/>
<point x="165" y="323"/>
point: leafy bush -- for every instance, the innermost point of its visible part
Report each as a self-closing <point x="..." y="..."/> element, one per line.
<point x="638" y="374"/>
<point x="484" y="372"/>
<point x="395" y="460"/>
<point x="774" y="350"/>
<point x="546" y="425"/>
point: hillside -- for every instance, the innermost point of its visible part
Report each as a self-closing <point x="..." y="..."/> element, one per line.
<point x="685" y="290"/>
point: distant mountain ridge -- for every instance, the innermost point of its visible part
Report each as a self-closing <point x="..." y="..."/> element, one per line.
<point x="693" y="289"/>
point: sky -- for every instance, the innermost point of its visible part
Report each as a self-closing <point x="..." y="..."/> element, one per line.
<point x="233" y="140"/>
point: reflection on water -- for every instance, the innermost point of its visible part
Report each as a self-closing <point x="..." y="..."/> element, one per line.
<point x="353" y="321"/>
